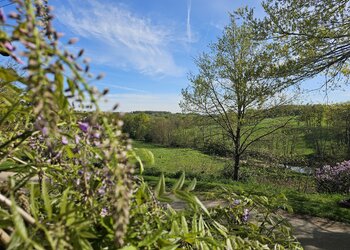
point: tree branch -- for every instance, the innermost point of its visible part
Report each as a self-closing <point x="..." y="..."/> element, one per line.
<point x="27" y="217"/>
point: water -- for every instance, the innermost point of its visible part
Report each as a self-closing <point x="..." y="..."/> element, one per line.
<point x="302" y="170"/>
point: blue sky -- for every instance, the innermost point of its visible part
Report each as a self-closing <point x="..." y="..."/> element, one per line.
<point x="146" y="48"/>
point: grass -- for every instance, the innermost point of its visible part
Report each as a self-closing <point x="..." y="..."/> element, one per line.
<point x="261" y="181"/>
<point x="175" y="160"/>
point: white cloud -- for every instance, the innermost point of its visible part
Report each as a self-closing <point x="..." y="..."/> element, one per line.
<point x="142" y="102"/>
<point x="189" y="32"/>
<point x="121" y="38"/>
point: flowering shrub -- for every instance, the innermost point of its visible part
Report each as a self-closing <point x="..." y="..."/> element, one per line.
<point x="87" y="195"/>
<point x="334" y="179"/>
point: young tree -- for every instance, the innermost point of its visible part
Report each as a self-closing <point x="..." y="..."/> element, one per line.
<point x="235" y="87"/>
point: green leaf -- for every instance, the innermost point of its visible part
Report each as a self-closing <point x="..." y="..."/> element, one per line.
<point x="69" y="152"/>
<point x="201" y="205"/>
<point x="192" y="185"/>
<point x="129" y="248"/>
<point x="175" y="228"/>
<point x="180" y="182"/>
<point x="8" y="75"/>
<point x="33" y="207"/>
<point x="184" y="224"/>
<point x="194" y="224"/>
<point x="46" y="198"/>
<point x="63" y="203"/>
<point x="160" y="188"/>
<point x="18" y="221"/>
<point x="228" y="245"/>
<point x="173" y="247"/>
<point x="150" y="239"/>
<point x="139" y="161"/>
<point x="222" y="230"/>
<point x="71" y="85"/>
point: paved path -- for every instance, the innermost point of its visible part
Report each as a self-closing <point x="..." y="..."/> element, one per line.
<point x="318" y="233"/>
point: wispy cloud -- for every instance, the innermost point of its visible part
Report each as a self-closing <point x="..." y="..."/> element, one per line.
<point x="120" y="36"/>
<point x="189" y="32"/>
<point x="120" y="87"/>
<point x="142" y="102"/>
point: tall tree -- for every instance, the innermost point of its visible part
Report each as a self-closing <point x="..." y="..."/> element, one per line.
<point x="314" y="35"/>
<point x="235" y="87"/>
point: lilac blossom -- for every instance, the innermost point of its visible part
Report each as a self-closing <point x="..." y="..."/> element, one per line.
<point x="101" y="190"/>
<point x="84" y="126"/>
<point x="9" y="46"/>
<point x="236" y="202"/>
<point x="104" y="212"/>
<point x="245" y="215"/>
<point x="77" y="139"/>
<point x="45" y="131"/>
<point x="64" y="140"/>
<point x="96" y="135"/>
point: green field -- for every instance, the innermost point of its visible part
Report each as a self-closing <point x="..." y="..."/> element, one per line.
<point x="259" y="180"/>
<point x="176" y="160"/>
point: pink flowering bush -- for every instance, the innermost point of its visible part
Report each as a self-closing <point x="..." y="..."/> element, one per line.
<point x="334" y="179"/>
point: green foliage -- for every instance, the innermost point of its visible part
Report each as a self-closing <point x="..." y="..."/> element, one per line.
<point x="241" y="223"/>
<point x="313" y="37"/>
<point x="85" y="194"/>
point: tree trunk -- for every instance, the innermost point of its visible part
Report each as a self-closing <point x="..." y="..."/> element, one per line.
<point x="236" y="159"/>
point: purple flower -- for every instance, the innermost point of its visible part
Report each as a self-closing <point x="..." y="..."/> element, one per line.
<point x="104" y="212"/>
<point x="96" y="135"/>
<point x="84" y="126"/>
<point x="9" y="46"/>
<point x="77" y="139"/>
<point x="45" y="131"/>
<point x="101" y="190"/>
<point x="87" y="176"/>
<point x="2" y="16"/>
<point x="236" y="202"/>
<point x="64" y="140"/>
<point x="245" y="215"/>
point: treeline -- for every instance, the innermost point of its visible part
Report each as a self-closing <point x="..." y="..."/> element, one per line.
<point x="316" y="135"/>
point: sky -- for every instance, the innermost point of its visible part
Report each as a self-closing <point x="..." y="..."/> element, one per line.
<point x="146" y="48"/>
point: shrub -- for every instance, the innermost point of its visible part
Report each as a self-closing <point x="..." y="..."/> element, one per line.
<point x="334" y="179"/>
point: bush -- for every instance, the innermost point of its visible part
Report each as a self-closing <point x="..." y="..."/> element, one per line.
<point x="216" y="148"/>
<point x="334" y="179"/>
